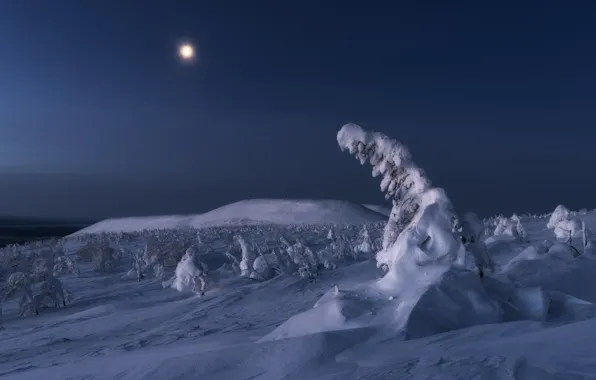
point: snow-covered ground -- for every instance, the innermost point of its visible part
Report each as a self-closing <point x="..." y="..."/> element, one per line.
<point x="253" y="211"/>
<point x="242" y="329"/>
<point x="310" y="289"/>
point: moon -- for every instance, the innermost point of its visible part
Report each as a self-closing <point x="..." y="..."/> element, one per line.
<point x="186" y="52"/>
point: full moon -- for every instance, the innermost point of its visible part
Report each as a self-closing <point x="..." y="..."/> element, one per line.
<point x="186" y="52"/>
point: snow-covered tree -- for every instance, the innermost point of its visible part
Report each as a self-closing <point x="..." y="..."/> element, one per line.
<point x="284" y="262"/>
<point x="402" y="182"/>
<point x="561" y="213"/>
<point x="520" y="232"/>
<point x="64" y="264"/>
<point x="304" y="260"/>
<point x="563" y="225"/>
<point x="105" y="258"/>
<point x="511" y="227"/>
<point x="364" y="243"/>
<point x="263" y="265"/>
<point x="233" y="261"/>
<point x="248" y="257"/>
<point x="191" y="274"/>
<point x="408" y="188"/>
<point x="20" y="282"/>
<point x="51" y="292"/>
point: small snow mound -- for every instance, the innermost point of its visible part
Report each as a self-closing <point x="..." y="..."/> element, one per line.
<point x="335" y="310"/>
<point x="561" y="251"/>
<point x="531" y="303"/>
<point x="530" y="253"/>
<point x="249" y="212"/>
<point x="458" y="300"/>
<point x="566" y="308"/>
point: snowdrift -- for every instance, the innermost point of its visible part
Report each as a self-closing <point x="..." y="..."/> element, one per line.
<point x="459" y="299"/>
<point x="427" y="288"/>
<point x="249" y="212"/>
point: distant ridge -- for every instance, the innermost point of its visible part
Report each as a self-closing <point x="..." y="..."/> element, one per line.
<point x="381" y="209"/>
<point x="249" y="212"/>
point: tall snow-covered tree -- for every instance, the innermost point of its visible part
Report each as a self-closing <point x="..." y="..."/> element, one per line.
<point x="248" y="257"/>
<point x="402" y="181"/>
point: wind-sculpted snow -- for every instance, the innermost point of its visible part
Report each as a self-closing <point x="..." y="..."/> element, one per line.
<point x="129" y="330"/>
<point x="253" y="211"/>
<point x="295" y="301"/>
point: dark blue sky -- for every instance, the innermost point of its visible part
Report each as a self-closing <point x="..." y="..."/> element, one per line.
<point x="98" y="117"/>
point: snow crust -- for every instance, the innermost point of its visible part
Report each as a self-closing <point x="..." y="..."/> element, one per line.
<point x="247" y="212"/>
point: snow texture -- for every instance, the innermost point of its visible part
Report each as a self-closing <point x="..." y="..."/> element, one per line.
<point x="532" y="322"/>
<point x="430" y="315"/>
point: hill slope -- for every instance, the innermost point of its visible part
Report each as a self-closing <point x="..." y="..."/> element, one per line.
<point x="254" y="211"/>
<point x="381" y="209"/>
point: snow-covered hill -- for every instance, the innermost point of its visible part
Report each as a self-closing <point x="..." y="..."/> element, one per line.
<point x="381" y="209"/>
<point x="247" y="212"/>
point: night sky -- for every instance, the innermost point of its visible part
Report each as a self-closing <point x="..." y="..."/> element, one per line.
<point x="99" y="117"/>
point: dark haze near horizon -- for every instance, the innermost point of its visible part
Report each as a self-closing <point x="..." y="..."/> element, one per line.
<point x="99" y="118"/>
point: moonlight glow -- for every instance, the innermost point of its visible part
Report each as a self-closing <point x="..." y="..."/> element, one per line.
<point x="186" y="52"/>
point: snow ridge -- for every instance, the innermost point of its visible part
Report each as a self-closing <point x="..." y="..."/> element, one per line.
<point x="249" y="212"/>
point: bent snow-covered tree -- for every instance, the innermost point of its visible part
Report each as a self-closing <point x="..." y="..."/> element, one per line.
<point x="403" y="182"/>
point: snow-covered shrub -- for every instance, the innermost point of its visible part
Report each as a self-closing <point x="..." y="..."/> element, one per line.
<point x="233" y="262"/>
<point x="64" y="264"/>
<point x="420" y="228"/>
<point x="284" y="263"/>
<point x="51" y="293"/>
<point x="510" y="227"/>
<point x="20" y="282"/>
<point x="264" y="266"/>
<point x="520" y="232"/>
<point x="567" y="229"/>
<point x="104" y="258"/>
<point x="303" y="259"/>
<point x="561" y="213"/>
<point x="364" y="243"/>
<point x="191" y="274"/>
<point x="563" y="225"/>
